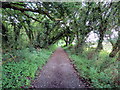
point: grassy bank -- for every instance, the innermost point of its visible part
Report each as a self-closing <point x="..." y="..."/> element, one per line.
<point x="102" y="71"/>
<point x="20" y="66"/>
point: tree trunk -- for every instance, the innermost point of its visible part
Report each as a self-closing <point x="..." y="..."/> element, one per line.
<point x="66" y="41"/>
<point x="4" y="34"/>
<point x="101" y="38"/>
<point x="80" y="44"/>
<point x="118" y="58"/>
<point x="16" y="32"/>
<point x="29" y="34"/>
<point x="116" y="47"/>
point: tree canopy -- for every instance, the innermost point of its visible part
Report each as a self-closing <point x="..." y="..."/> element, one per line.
<point x="45" y="23"/>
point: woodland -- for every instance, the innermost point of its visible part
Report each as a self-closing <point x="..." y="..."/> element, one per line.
<point x="32" y="31"/>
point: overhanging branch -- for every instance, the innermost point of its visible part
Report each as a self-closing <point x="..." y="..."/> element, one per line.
<point x="31" y="17"/>
<point x="8" y="5"/>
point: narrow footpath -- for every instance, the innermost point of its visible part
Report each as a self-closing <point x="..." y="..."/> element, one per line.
<point x="58" y="73"/>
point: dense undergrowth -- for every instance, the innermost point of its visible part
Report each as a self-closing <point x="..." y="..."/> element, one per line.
<point x="21" y="69"/>
<point x="102" y="72"/>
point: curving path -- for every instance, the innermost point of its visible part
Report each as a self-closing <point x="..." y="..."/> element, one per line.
<point x="58" y="73"/>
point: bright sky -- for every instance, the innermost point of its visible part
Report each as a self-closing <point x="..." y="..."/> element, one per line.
<point x="92" y="37"/>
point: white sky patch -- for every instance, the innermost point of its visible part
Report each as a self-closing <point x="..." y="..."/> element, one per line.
<point x="115" y="33"/>
<point x="93" y="37"/>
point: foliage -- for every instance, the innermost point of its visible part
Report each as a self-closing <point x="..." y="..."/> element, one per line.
<point x="20" y="71"/>
<point x="99" y="72"/>
<point x="45" y="23"/>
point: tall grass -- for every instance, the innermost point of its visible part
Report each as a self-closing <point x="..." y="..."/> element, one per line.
<point x="21" y="70"/>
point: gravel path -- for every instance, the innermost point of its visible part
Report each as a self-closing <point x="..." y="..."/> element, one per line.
<point x="58" y="73"/>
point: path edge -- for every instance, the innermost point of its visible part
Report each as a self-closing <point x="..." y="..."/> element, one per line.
<point x="85" y="81"/>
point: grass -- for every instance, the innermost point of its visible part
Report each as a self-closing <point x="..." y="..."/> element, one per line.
<point x="101" y="72"/>
<point x="21" y="70"/>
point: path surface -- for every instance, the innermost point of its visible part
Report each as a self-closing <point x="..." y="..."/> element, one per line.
<point x="58" y="73"/>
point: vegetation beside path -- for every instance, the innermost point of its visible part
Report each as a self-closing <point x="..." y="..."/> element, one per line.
<point x="100" y="72"/>
<point x="21" y="70"/>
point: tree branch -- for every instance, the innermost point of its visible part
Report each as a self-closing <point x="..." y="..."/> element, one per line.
<point x="8" y="5"/>
<point x="31" y="17"/>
